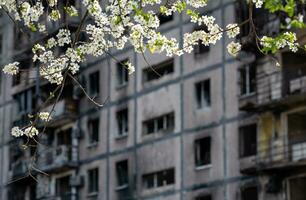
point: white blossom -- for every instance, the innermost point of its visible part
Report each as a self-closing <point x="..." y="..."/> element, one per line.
<point x="17" y="132"/>
<point x="258" y="3"/>
<point x="233" y="48"/>
<point x="130" y="68"/>
<point x="11" y="68"/>
<point x="232" y="30"/>
<point x="31" y="131"/>
<point x="45" y="116"/>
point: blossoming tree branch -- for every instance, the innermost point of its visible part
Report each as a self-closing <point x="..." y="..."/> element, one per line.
<point x="114" y="24"/>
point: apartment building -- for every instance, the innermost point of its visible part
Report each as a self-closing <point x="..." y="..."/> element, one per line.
<point x="208" y="127"/>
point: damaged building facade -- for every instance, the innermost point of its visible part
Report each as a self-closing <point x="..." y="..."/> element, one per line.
<point x="211" y="127"/>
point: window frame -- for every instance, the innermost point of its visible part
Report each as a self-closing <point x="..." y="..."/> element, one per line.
<point x="168" y="124"/>
<point x="242" y="135"/>
<point x="200" y="49"/>
<point x="154" y="176"/>
<point x="151" y="73"/>
<point x="94" y="83"/>
<point x="122" y="74"/>
<point x="90" y="124"/>
<point x="93" y="185"/>
<point x="122" y="121"/>
<point x="207" y="161"/>
<point x="122" y="182"/>
<point x="245" y="74"/>
<point x="203" y="100"/>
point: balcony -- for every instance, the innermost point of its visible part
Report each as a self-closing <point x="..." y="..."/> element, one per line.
<point x="57" y="158"/>
<point x="281" y="155"/>
<point x="64" y="111"/>
<point x="277" y="89"/>
<point x="60" y="197"/>
<point x="19" y="168"/>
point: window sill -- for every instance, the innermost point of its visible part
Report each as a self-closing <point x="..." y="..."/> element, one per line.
<point x="122" y="86"/>
<point x="92" y="194"/>
<point x="200" y="54"/>
<point x="204" y="109"/>
<point x="121" y="187"/>
<point x="245" y="96"/>
<point x="92" y="145"/>
<point x="203" y="167"/>
<point x="158" y="133"/>
<point x="241" y="157"/>
<point x="121" y="137"/>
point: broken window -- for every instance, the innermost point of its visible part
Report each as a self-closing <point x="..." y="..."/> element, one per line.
<point x="202" y="151"/>
<point x="93" y="180"/>
<point x="62" y="187"/>
<point x="155" y="72"/>
<point x="162" y="123"/>
<point x="94" y="83"/>
<point x="297" y="188"/>
<point x="26" y="101"/>
<point x="159" y="179"/>
<point x="204" y="197"/>
<point x="122" y="73"/>
<point x="261" y="17"/>
<point x="249" y="193"/>
<point x="24" y="64"/>
<point x="247" y="79"/>
<point x="64" y="137"/>
<point x="248" y="140"/>
<point x="164" y="18"/>
<point x="296" y="135"/>
<point x="122" y="122"/>
<point x="122" y="173"/>
<point x="200" y="48"/>
<point x="93" y="129"/>
<point x="203" y="96"/>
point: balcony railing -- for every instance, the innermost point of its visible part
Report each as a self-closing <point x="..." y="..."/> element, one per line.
<point x="57" y="158"/>
<point x="19" y="168"/>
<point x="64" y="111"/>
<point x="276" y="90"/>
<point x="68" y="196"/>
<point x="273" y="154"/>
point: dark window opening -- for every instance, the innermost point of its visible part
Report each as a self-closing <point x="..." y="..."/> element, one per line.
<point x="248" y="140"/>
<point x="94" y="83"/>
<point x="249" y="193"/>
<point x="64" y="137"/>
<point x="204" y="197"/>
<point x="261" y="18"/>
<point x="93" y="180"/>
<point x="158" y="71"/>
<point x="297" y="188"/>
<point x="23" y="64"/>
<point x="93" y="129"/>
<point x="159" y="179"/>
<point x="122" y="73"/>
<point x="247" y="79"/>
<point x="26" y="101"/>
<point x="203" y="95"/>
<point x="122" y="173"/>
<point x="200" y="48"/>
<point x="162" y="123"/>
<point x="164" y="18"/>
<point x="63" y="189"/>
<point x="202" y="151"/>
<point x="122" y="122"/>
